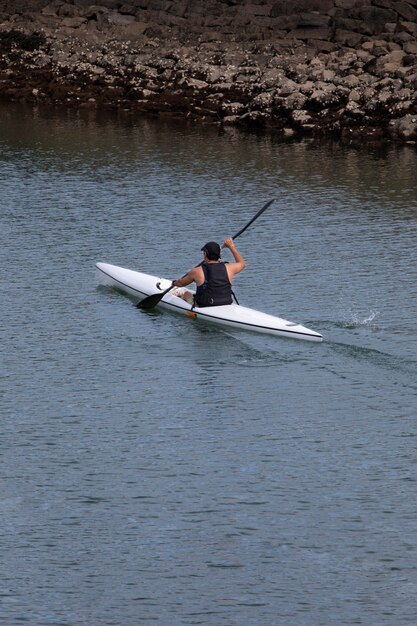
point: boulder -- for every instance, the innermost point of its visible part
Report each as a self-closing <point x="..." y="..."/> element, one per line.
<point x="405" y="128"/>
<point x="73" y="22"/>
<point x="311" y="33"/>
<point x="108" y="4"/>
<point x="301" y="117"/>
<point x="347" y="38"/>
<point x="404" y="9"/>
<point x="289" y="7"/>
<point x="120" y="20"/>
<point x="410" y="47"/>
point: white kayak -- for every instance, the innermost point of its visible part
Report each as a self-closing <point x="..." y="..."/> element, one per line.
<point x="141" y="285"/>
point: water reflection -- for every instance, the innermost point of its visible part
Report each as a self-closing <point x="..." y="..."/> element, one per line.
<point x="109" y="138"/>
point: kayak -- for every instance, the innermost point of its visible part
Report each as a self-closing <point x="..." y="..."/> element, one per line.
<point x="139" y="286"/>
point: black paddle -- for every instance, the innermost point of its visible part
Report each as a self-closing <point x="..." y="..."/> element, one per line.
<point x="151" y="301"/>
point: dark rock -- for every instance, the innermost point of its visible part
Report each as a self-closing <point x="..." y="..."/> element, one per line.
<point x="410" y="60"/>
<point x="347" y="38"/>
<point x="313" y="20"/>
<point x="73" y="22"/>
<point x="120" y="20"/>
<point x="289" y="7"/>
<point x="311" y="33"/>
<point x="127" y="9"/>
<point x="404" y="9"/>
<point x="324" y="46"/>
<point x="350" y="4"/>
<point x="17" y="39"/>
<point x="410" y="47"/>
<point x="405" y="128"/>
<point x="354" y="25"/>
<point x="375" y="17"/>
<point x="409" y="27"/>
<point x="108" y="4"/>
<point x="68" y="10"/>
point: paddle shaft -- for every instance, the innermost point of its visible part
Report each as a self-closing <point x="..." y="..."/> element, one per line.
<point x="151" y="301"/>
<point x="255" y="217"/>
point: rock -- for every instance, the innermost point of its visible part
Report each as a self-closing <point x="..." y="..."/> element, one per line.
<point x="384" y="96"/>
<point x="120" y="20"/>
<point x="286" y="7"/>
<point x="405" y="128"/>
<point x="307" y="87"/>
<point x="354" y="96"/>
<point x="396" y="56"/>
<point x="263" y="100"/>
<point x="347" y="38"/>
<point x="410" y="47"/>
<point x="328" y="75"/>
<point x="127" y="9"/>
<point x="351" y="81"/>
<point x="376" y="16"/>
<point x="285" y="87"/>
<point x="353" y="110"/>
<point x="98" y="71"/>
<point x="405" y="10"/>
<point x="301" y="117"/>
<point x="271" y="77"/>
<point x="52" y="8"/>
<point x="68" y="10"/>
<point x="42" y="60"/>
<point x="409" y="27"/>
<point x="322" y="97"/>
<point x="230" y="119"/>
<point x="73" y="22"/>
<point x="233" y="108"/>
<point x="295" y="101"/>
<point x="307" y="34"/>
<point x="193" y="83"/>
<point x="253" y="118"/>
<point x="108" y="4"/>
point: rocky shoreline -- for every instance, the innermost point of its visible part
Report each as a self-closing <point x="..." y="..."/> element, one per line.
<point x="321" y="72"/>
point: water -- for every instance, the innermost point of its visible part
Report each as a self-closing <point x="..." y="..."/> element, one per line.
<point x="157" y="470"/>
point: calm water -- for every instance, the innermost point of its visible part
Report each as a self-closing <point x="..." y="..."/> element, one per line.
<point x="158" y="471"/>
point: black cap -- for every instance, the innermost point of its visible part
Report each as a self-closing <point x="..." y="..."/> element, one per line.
<point x="212" y="250"/>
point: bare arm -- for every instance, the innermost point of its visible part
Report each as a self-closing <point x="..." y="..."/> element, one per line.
<point x="239" y="264"/>
<point x="189" y="278"/>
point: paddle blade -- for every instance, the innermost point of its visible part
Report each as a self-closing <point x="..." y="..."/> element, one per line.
<point x="151" y="301"/>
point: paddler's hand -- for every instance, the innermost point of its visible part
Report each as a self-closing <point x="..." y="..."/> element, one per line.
<point x="229" y="243"/>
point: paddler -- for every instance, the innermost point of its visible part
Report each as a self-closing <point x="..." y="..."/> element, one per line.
<point x="212" y="277"/>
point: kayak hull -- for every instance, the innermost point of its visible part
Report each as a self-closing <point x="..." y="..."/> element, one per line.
<point x="139" y="286"/>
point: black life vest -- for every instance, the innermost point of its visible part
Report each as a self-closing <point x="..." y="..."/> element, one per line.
<point x="216" y="289"/>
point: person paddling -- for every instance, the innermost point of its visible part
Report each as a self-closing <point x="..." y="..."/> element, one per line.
<point x="212" y="277"/>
